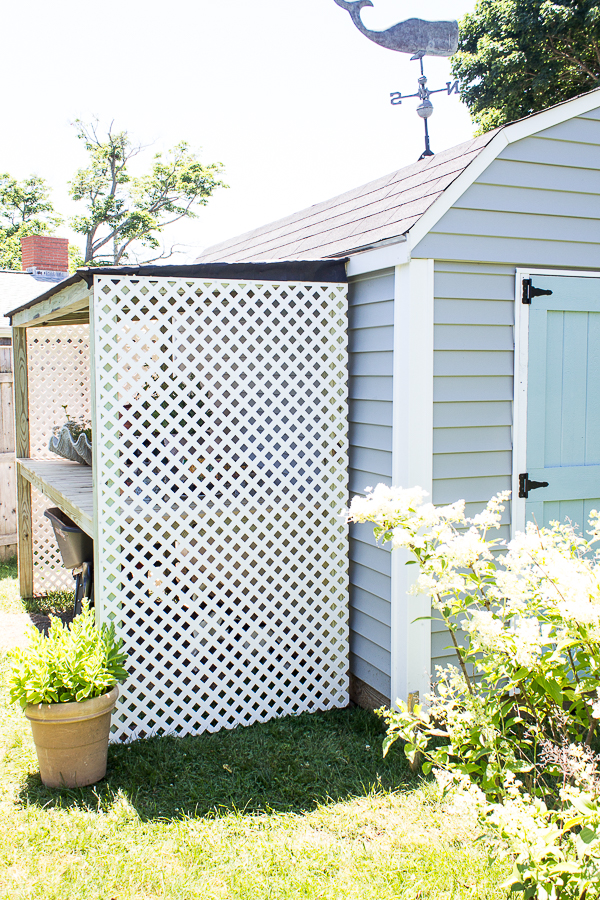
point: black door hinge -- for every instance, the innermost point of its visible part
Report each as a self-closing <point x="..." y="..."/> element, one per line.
<point x="525" y="485"/>
<point x="529" y="291"/>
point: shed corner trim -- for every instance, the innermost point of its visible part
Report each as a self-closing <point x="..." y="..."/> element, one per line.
<point x="412" y="455"/>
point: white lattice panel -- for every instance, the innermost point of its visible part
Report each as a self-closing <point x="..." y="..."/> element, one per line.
<point x="48" y="571"/>
<point x="222" y="457"/>
<point x="58" y="360"/>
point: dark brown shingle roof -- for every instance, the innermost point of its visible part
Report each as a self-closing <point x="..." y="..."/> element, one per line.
<point x="378" y="211"/>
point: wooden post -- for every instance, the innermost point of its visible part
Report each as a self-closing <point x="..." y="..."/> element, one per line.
<point x="24" y="524"/>
<point x="98" y="607"/>
<point x="8" y="469"/>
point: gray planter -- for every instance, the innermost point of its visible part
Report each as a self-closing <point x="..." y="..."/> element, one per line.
<point x="79" y="451"/>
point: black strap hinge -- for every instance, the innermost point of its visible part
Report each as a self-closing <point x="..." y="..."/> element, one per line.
<point x="525" y="485"/>
<point x="529" y="291"/>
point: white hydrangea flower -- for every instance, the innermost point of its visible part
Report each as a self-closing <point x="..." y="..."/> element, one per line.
<point x="464" y="550"/>
<point x="385" y="505"/>
<point x="528" y="641"/>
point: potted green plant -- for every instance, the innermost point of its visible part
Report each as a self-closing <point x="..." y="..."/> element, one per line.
<point x="67" y="685"/>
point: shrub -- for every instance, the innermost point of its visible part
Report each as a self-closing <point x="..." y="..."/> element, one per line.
<point x="517" y="718"/>
<point x="77" y="662"/>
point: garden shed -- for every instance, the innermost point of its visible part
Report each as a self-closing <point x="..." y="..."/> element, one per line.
<point x="217" y="396"/>
<point x="474" y="338"/>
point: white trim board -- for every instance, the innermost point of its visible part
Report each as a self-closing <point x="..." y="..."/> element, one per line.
<point x="401" y="251"/>
<point x="563" y="273"/>
<point x="519" y="426"/>
<point x="379" y="258"/>
<point x="412" y="464"/>
<point x="570" y="109"/>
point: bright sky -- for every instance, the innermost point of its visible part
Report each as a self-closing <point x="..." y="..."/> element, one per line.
<point x="286" y="93"/>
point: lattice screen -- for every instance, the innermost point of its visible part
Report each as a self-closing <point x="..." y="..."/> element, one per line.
<point x="59" y="373"/>
<point x="222" y="419"/>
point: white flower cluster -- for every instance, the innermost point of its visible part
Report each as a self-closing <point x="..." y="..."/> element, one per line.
<point x="524" y="619"/>
<point x="556" y="570"/>
<point x="385" y="505"/>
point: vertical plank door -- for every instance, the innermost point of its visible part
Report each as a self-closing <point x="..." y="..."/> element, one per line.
<point x="8" y="477"/>
<point x="563" y="400"/>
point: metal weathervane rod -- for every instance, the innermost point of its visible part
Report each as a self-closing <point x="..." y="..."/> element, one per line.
<point x="419" y="38"/>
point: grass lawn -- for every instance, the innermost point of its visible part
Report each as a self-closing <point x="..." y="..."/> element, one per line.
<point x="297" y="808"/>
<point x="10" y="601"/>
<point x="53" y="603"/>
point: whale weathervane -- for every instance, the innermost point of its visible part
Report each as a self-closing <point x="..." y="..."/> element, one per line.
<point x="419" y="38"/>
<point x="415" y="36"/>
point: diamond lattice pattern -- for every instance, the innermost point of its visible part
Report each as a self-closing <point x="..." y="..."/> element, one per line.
<point x="222" y="424"/>
<point x="58" y="360"/>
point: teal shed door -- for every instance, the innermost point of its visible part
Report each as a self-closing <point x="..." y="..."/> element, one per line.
<point x="563" y="400"/>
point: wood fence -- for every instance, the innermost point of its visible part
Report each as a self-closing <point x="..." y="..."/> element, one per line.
<point x="8" y="491"/>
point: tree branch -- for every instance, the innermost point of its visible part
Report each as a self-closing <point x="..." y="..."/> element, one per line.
<point x="561" y="54"/>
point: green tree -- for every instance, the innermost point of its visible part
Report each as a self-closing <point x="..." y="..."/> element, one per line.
<point x="517" y="57"/>
<point x="25" y="208"/>
<point x="124" y="214"/>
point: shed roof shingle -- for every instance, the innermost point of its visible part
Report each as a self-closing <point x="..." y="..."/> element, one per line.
<point x="381" y="210"/>
<point x="17" y="288"/>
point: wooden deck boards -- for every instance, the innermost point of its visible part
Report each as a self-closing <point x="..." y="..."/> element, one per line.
<point x="67" y="484"/>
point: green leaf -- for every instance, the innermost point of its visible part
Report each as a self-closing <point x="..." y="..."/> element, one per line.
<point x="388" y="741"/>
<point x="70" y="664"/>
<point x="549" y="686"/>
<point x="588" y="835"/>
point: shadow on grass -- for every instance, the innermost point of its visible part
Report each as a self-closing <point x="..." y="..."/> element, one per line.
<point x="287" y="765"/>
<point x="9" y="568"/>
<point x="54" y="603"/>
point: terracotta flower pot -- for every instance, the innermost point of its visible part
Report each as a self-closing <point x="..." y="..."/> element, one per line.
<point x="71" y="739"/>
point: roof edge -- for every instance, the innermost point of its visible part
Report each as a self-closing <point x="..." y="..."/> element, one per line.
<point x="325" y="271"/>
<point x="508" y="134"/>
<point x="45" y="295"/>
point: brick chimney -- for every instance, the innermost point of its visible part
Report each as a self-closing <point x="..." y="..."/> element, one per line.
<point x="46" y="258"/>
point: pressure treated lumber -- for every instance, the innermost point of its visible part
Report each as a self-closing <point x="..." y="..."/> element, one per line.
<point x="67" y="484"/>
<point x="24" y="523"/>
<point x="59" y="307"/>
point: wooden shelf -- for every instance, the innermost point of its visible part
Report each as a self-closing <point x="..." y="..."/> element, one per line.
<point x="67" y="484"/>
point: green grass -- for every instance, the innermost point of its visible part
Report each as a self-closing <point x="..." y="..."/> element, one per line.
<point x="295" y="808"/>
<point x="51" y="603"/>
<point x="10" y="601"/>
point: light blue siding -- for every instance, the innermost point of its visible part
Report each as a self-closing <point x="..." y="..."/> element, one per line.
<point x="371" y="319"/>
<point x="473" y="393"/>
<point x="535" y="205"/>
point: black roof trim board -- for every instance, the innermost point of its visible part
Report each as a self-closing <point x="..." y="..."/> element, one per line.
<point x="55" y="289"/>
<point x="320" y="271"/>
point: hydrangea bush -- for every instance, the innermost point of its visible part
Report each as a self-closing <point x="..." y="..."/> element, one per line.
<point x="515" y="721"/>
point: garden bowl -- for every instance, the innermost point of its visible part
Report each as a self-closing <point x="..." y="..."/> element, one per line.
<point x="71" y="739"/>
